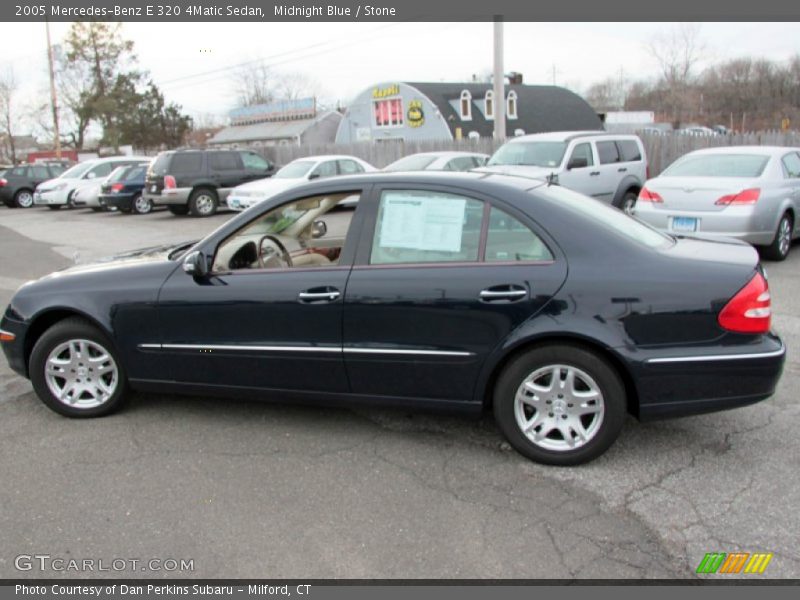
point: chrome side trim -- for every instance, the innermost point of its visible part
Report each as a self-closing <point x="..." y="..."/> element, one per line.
<point x="243" y="348"/>
<point x="339" y="349"/>
<point x="351" y="350"/>
<point x="711" y="357"/>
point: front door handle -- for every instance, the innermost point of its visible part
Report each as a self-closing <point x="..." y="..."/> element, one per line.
<point x="320" y="294"/>
<point x="508" y="293"/>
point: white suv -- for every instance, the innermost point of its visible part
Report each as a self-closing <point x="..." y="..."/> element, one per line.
<point x="609" y="167"/>
<point x="61" y="191"/>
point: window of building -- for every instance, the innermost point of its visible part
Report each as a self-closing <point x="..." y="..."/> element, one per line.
<point x="489" y="105"/>
<point x="466" y="106"/>
<point x="511" y="110"/>
<point x="388" y="112"/>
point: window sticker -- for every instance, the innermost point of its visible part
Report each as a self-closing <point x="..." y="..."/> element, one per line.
<point x="422" y="223"/>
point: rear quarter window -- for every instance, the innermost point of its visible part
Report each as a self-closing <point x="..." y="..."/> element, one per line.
<point x="629" y="150"/>
<point x="186" y="162"/>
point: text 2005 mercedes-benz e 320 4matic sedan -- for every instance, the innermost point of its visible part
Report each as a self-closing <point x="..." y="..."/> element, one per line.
<point x="426" y="290"/>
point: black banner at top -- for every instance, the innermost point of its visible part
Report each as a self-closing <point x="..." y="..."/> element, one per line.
<point x="399" y="10"/>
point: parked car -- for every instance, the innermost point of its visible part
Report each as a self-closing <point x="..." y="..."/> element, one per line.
<point x="451" y="290"/>
<point x="123" y="190"/>
<point x="609" y="167"/>
<point x="60" y="191"/>
<point x="747" y="192"/>
<point x="88" y="196"/>
<point x="439" y="161"/>
<point x="299" y="171"/>
<point x="698" y="130"/>
<point x="18" y="183"/>
<point x="197" y="182"/>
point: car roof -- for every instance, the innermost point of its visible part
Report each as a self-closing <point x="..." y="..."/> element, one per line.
<point x="443" y="154"/>
<point x="319" y="157"/>
<point x="568" y="136"/>
<point x="765" y="150"/>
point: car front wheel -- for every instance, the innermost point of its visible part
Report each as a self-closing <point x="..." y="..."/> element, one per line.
<point x="560" y="404"/>
<point x="76" y="372"/>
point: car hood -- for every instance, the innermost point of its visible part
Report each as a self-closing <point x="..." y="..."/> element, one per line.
<point x="141" y="256"/>
<point x="266" y="187"/>
<point x="520" y="170"/>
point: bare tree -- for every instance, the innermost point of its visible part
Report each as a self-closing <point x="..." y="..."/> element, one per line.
<point x="256" y="83"/>
<point x="8" y="89"/>
<point x="677" y="53"/>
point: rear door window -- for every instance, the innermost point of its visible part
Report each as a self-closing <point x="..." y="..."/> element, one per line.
<point x="419" y="226"/>
<point x="510" y="240"/>
<point x="629" y="150"/>
<point x="223" y="161"/>
<point x="462" y="163"/>
<point x="40" y="173"/>
<point x="607" y="152"/>
<point x="347" y="167"/>
<point x="325" y="169"/>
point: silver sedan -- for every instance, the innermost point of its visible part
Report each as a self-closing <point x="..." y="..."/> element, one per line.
<point x="747" y="192"/>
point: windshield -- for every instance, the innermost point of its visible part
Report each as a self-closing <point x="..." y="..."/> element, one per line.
<point x="127" y="173"/>
<point x="608" y="217"/>
<point x="416" y="162"/>
<point x="718" y="165"/>
<point x="535" y="154"/>
<point x="294" y="170"/>
<point x="76" y="171"/>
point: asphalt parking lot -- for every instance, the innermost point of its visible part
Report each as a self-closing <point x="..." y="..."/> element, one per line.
<point x="246" y="489"/>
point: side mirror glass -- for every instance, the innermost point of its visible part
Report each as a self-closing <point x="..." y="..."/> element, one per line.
<point x="578" y="162"/>
<point x="195" y="264"/>
<point x="318" y="229"/>
<point x="314" y="175"/>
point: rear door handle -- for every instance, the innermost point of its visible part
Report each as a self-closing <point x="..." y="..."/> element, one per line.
<point x="594" y="173"/>
<point x="320" y="294"/>
<point x="622" y="169"/>
<point x="508" y="293"/>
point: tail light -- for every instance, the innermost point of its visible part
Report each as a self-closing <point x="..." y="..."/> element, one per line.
<point x="749" y="311"/>
<point x="744" y="197"/>
<point x="649" y="196"/>
<point x="3" y="182"/>
<point x="169" y="182"/>
<point x="117" y="187"/>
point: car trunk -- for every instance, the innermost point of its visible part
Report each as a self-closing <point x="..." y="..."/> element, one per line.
<point x="697" y="194"/>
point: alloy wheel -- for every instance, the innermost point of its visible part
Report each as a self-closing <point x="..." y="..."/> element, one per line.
<point x="81" y="374"/>
<point x="559" y="407"/>
<point x="142" y="205"/>
<point x="204" y="204"/>
<point x="24" y="199"/>
<point x="784" y="236"/>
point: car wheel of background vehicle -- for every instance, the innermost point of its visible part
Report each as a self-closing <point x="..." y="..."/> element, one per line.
<point x="628" y="202"/>
<point x="54" y="206"/>
<point x="178" y="210"/>
<point x="141" y="205"/>
<point x="71" y="200"/>
<point x="23" y="198"/>
<point x="779" y="248"/>
<point x="560" y="404"/>
<point x="76" y="372"/>
<point x="97" y="208"/>
<point x="203" y="202"/>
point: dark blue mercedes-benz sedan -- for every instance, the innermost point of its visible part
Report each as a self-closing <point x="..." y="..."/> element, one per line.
<point x="463" y="291"/>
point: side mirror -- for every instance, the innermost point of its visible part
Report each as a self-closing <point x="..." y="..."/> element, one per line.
<point x="91" y="175"/>
<point x="313" y="176"/>
<point x="318" y="229"/>
<point x="195" y="264"/>
<point x="577" y="162"/>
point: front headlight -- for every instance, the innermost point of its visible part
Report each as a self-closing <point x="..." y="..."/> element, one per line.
<point x="59" y="187"/>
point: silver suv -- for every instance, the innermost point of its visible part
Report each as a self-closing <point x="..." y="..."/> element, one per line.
<point x="606" y="166"/>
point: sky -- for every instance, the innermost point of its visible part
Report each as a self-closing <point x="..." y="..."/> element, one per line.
<point x="193" y="62"/>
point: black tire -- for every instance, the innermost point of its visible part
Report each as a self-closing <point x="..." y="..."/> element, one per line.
<point x="779" y="249"/>
<point x="9" y="203"/>
<point x="23" y="199"/>
<point x="125" y="209"/>
<point x="628" y="201"/>
<point x="601" y="427"/>
<point x="70" y="200"/>
<point x="54" y="206"/>
<point x="98" y="209"/>
<point x="178" y="210"/>
<point x="140" y="207"/>
<point x="203" y="202"/>
<point x="76" y="329"/>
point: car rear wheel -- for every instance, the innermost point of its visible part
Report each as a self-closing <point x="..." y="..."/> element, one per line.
<point x="628" y="202"/>
<point x="76" y="372"/>
<point x="779" y="248"/>
<point x="203" y="202"/>
<point x="560" y="404"/>
<point x="23" y="199"/>
<point x="178" y="210"/>
<point x="54" y="206"/>
<point x="141" y="205"/>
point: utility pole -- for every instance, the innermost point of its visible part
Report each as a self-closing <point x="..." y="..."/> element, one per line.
<point x="53" y="97"/>
<point x="499" y="82"/>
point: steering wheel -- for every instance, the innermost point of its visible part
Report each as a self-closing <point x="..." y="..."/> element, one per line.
<point x="273" y="254"/>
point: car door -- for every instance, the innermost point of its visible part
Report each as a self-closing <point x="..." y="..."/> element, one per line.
<point x="276" y="327"/>
<point x="791" y="172"/>
<point x="442" y="277"/>
<point x="581" y="173"/>
<point x="608" y="177"/>
<point x="226" y="169"/>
